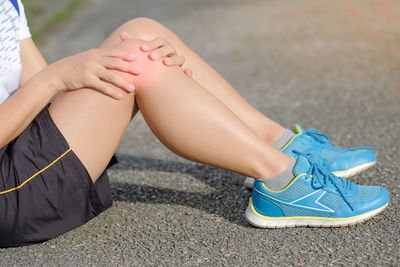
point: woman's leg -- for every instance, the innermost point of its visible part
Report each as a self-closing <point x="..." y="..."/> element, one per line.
<point x="206" y="76"/>
<point x="183" y="115"/>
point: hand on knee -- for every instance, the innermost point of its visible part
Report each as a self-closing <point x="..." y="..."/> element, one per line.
<point x="160" y="48"/>
<point x="145" y="63"/>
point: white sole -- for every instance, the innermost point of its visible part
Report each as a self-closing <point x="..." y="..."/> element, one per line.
<point x="287" y="222"/>
<point x="355" y="170"/>
<point x="249" y="182"/>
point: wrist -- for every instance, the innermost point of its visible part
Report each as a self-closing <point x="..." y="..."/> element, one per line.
<point x="53" y="79"/>
<point x="45" y="84"/>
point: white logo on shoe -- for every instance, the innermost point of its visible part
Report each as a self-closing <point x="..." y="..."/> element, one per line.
<point x="309" y="201"/>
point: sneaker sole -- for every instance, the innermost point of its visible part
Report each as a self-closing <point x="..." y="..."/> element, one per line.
<point x="261" y="221"/>
<point x="355" y="170"/>
<point x="249" y="182"/>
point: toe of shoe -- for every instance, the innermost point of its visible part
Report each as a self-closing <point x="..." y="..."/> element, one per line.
<point x="380" y="199"/>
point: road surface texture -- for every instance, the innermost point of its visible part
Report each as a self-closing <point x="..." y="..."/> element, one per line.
<point x="331" y="65"/>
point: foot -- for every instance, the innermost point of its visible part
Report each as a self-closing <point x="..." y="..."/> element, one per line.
<point x="316" y="146"/>
<point x="314" y="198"/>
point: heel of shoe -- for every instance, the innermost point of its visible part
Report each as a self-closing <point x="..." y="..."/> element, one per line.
<point x="261" y="220"/>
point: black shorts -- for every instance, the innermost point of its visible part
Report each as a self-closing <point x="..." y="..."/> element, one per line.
<point x="45" y="190"/>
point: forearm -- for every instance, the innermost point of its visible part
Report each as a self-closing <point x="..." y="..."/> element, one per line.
<point x="107" y="70"/>
<point x="22" y="107"/>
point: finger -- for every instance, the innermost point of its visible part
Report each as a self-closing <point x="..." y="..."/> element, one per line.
<point x="113" y="63"/>
<point x="125" y="36"/>
<point x="175" y="60"/>
<point x="107" y="89"/>
<point x="117" y="52"/>
<point x="188" y="72"/>
<point x="153" y="44"/>
<point x="115" y="78"/>
<point x="161" y="52"/>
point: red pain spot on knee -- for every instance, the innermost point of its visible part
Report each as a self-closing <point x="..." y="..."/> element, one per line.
<point x="145" y="73"/>
<point x="149" y="77"/>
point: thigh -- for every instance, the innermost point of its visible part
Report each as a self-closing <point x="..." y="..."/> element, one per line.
<point x="93" y="125"/>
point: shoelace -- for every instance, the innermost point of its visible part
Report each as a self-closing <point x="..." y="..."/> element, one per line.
<point x="317" y="136"/>
<point x="321" y="138"/>
<point x="321" y="178"/>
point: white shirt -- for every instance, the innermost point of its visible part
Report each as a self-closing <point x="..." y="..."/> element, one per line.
<point x="13" y="28"/>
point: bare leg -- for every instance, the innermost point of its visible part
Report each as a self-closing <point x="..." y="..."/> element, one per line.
<point x="206" y="76"/>
<point x="184" y="116"/>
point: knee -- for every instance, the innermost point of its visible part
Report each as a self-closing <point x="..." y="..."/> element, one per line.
<point x="151" y="71"/>
<point x="145" y="28"/>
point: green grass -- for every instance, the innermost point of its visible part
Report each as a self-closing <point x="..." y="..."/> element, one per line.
<point x="36" y="9"/>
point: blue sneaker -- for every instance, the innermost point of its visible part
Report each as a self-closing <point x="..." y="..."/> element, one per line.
<point x="316" y="146"/>
<point x="315" y="198"/>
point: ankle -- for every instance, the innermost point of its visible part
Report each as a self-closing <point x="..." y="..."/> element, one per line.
<point x="272" y="134"/>
<point x="281" y="181"/>
<point x="281" y="165"/>
<point x="267" y="170"/>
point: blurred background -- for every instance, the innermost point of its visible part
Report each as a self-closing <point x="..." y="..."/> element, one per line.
<point x="332" y="65"/>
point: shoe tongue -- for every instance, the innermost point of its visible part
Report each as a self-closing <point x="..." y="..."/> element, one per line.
<point x="298" y="129"/>
<point x="302" y="166"/>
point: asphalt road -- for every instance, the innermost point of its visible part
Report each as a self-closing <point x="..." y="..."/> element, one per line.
<point x="330" y="65"/>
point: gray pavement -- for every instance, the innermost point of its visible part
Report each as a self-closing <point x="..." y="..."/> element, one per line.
<point x="331" y="65"/>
